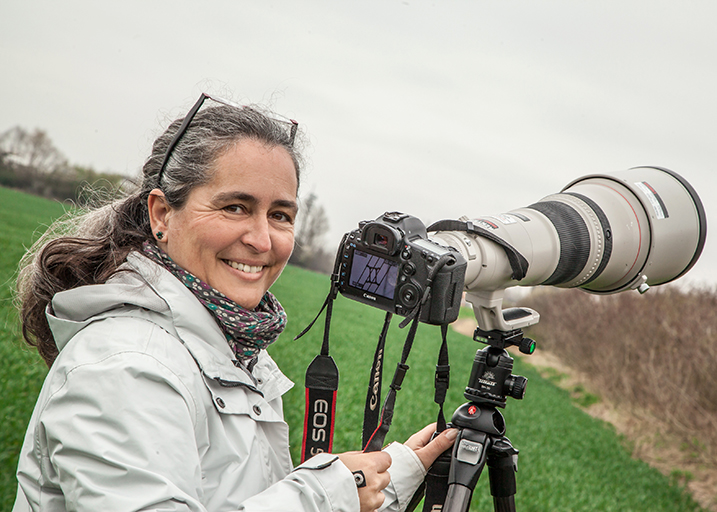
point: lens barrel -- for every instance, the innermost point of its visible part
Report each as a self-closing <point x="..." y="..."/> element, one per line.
<point x="604" y="233"/>
<point x="652" y="222"/>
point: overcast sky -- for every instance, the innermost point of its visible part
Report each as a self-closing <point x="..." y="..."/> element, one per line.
<point x="435" y="108"/>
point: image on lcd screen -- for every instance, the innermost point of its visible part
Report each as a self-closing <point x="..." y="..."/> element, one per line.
<point x="374" y="274"/>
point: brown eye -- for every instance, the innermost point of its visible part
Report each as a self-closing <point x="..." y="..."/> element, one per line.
<point x="234" y="208"/>
<point x="282" y="217"/>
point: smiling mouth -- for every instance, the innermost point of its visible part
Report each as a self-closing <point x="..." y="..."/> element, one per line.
<point x="244" y="268"/>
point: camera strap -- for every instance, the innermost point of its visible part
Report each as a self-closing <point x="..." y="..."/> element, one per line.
<point x="443" y="379"/>
<point x="322" y="384"/>
<point x="372" y="411"/>
<point x="375" y="441"/>
<point x="434" y="489"/>
<point x="518" y="263"/>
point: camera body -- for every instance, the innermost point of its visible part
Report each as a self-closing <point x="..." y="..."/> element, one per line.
<point x="388" y="263"/>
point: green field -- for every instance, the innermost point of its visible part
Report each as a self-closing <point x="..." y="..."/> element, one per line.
<point x="568" y="460"/>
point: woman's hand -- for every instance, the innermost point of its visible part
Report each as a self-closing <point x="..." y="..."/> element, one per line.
<point x="374" y="466"/>
<point x="428" y="450"/>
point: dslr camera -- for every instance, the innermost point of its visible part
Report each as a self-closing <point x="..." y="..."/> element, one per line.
<point x="390" y="263"/>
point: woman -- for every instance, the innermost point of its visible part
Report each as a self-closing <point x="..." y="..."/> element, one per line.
<point x="154" y="313"/>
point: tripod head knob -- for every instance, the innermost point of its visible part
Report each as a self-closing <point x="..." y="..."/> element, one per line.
<point x="515" y="385"/>
<point x="527" y="346"/>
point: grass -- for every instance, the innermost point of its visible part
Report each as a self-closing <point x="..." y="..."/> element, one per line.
<point x="569" y="461"/>
<point x="22" y="219"/>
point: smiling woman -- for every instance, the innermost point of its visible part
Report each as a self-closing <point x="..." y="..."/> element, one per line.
<point x="236" y="232"/>
<point x="154" y="313"/>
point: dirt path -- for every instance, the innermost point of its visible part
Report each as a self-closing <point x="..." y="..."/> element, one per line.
<point x="647" y="440"/>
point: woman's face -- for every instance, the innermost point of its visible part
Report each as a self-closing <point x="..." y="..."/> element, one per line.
<point x="236" y="232"/>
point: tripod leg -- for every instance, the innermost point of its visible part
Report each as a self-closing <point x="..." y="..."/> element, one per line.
<point x="458" y="499"/>
<point x="502" y="466"/>
<point x="470" y="452"/>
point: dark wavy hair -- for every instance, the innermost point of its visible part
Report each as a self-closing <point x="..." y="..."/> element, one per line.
<point x="88" y="245"/>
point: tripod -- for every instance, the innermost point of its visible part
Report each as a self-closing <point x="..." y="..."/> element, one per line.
<point x="481" y="426"/>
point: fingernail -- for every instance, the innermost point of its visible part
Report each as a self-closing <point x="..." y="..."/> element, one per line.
<point x="451" y="434"/>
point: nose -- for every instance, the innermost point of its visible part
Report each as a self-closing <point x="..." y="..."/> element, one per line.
<point x="258" y="235"/>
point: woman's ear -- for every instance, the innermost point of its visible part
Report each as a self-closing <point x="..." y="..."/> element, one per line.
<point x="158" y="214"/>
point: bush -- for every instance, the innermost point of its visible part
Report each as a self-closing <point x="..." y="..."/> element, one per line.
<point x="655" y="353"/>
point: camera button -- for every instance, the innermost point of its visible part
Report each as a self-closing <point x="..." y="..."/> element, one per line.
<point x="406" y="254"/>
<point x="409" y="295"/>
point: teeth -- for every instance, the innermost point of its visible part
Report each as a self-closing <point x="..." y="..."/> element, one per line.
<point x="245" y="268"/>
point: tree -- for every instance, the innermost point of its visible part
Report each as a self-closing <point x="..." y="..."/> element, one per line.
<point x="312" y="225"/>
<point x="33" y="150"/>
<point x="29" y="161"/>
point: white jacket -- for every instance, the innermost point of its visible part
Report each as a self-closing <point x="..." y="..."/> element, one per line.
<point x="144" y="410"/>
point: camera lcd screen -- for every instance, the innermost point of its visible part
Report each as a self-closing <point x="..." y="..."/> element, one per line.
<point x="374" y="274"/>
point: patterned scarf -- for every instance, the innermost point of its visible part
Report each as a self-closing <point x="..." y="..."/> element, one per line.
<point x="247" y="332"/>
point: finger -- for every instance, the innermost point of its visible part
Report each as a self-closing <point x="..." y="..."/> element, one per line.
<point x="353" y="460"/>
<point x="378" y="461"/>
<point x="437" y="446"/>
<point x="371" y="501"/>
<point x="422" y="437"/>
<point x="384" y="479"/>
<point x="381" y="498"/>
<point x="371" y="496"/>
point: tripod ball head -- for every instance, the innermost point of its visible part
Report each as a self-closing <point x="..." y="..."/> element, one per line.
<point x="491" y="379"/>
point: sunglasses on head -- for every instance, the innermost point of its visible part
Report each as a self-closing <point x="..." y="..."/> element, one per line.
<point x="193" y="111"/>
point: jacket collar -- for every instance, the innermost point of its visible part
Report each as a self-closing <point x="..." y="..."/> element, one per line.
<point x="145" y="289"/>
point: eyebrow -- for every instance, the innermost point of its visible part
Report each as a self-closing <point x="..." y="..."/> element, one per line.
<point x="226" y="197"/>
